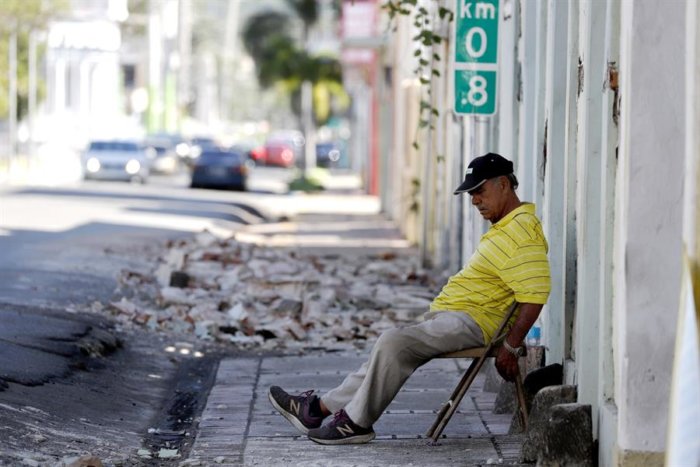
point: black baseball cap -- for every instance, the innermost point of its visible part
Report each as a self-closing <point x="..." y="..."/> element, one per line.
<point x="483" y="168"/>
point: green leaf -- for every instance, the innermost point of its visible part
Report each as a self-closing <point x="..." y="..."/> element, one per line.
<point x="423" y="62"/>
<point x="423" y="123"/>
<point x="436" y="73"/>
<point x="415" y="145"/>
<point x="442" y="12"/>
<point x="417" y="53"/>
<point x="436" y="57"/>
<point x="424" y="81"/>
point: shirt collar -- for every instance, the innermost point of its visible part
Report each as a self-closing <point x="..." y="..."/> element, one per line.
<point x="528" y="208"/>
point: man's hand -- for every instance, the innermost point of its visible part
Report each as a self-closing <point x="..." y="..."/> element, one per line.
<point x="507" y="364"/>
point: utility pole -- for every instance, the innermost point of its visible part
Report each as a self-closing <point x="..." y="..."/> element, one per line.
<point x="12" y="97"/>
<point x="309" y="129"/>
<point x="155" y="54"/>
<point x="31" y="114"/>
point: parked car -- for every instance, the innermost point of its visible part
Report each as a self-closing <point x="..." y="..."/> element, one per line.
<point x="284" y="148"/>
<point x="220" y="168"/>
<point x="165" y="159"/>
<point x="181" y="145"/>
<point x="116" y="160"/>
<point x="327" y="154"/>
<point x="255" y="152"/>
<point x="199" y="144"/>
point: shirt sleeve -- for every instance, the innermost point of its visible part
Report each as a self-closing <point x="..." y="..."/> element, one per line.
<point x="526" y="272"/>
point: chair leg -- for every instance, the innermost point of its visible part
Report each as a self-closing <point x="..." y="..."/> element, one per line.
<point x="449" y="408"/>
<point x="522" y="407"/>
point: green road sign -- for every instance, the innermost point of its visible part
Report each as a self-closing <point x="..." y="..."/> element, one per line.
<point x="476" y="31"/>
<point x="476" y="56"/>
<point x="475" y="92"/>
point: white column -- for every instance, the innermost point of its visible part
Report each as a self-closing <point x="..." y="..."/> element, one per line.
<point x="508" y="83"/>
<point x="692" y="141"/>
<point x="608" y="410"/>
<point x="554" y="208"/>
<point x="648" y="219"/>
<point x="527" y="48"/>
<point x="536" y="162"/>
<point x="572" y="56"/>
<point x="589" y="217"/>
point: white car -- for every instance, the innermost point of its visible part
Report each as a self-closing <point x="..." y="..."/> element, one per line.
<point x="116" y="160"/>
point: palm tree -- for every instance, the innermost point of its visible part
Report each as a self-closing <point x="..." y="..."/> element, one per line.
<point x="268" y="39"/>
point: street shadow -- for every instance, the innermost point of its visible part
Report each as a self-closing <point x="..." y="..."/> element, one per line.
<point x="353" y="226"/>
<point x="214" y="207"/>
<point x="240" y="217"/>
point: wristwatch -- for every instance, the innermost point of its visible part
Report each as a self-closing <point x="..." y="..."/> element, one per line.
<point x="517" y="351"/>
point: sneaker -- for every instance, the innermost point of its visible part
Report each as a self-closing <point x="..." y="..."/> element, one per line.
<point x="341" y="430"/>
<point x="296" y="409"/>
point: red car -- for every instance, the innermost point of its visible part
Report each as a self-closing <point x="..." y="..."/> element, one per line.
<point x="284" y="148"/>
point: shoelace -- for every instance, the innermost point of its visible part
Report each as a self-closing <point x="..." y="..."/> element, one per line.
<point x="339" y="415"/>
<point x="306" y="395"/>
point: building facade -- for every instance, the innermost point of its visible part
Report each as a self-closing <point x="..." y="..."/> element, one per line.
<point x="597" y="106"/>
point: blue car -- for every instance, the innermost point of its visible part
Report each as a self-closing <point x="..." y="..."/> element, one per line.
<point x="327" y="154"/>
<point x="220" y="168"/>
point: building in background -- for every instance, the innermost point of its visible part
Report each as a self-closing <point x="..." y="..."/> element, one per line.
<point x="83" y="97"/>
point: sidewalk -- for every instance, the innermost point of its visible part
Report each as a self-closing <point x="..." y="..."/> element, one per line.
<point x="240" y="427"/>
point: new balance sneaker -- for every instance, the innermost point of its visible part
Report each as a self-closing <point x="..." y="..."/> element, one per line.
<point x="341" y="430"/>
<point x="296" y="409"/>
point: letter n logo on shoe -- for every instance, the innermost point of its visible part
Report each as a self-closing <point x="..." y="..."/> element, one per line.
<point x="345" y="430"/>
<point x="294" y="406"/>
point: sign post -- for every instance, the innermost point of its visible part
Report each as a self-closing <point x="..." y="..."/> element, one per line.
<point x="476" y="56"/>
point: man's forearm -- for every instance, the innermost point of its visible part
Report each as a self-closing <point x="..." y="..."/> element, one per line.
<point x="526" y="318"/>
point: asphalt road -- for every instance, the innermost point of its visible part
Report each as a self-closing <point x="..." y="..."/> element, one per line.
<point x="64" y="373"/>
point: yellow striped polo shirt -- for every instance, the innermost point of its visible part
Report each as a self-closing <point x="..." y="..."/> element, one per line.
<point x="509" y="264"/>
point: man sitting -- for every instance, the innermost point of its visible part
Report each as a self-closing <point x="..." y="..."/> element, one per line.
<point x="509" y="265"/>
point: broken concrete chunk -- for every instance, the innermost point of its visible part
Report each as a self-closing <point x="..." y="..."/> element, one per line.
<point x="124" y="306"/>
<point x="287" y="306"/>
<point x="539" y="418"/>
<point x="168" y="453"/>
<point x="237" y="313"/>
<point x="81" y="461"/>
<point x="205" y="238"/>
<point x="568" y="437"/>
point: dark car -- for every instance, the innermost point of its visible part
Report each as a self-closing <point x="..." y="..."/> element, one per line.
<point x="220" y="168"/>
<point x="327" y="154"/>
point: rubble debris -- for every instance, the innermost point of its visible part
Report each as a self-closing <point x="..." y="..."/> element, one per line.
<point x="252" y="296"/>
<point x="80" y="461"/>
<point x="168" y="453"/>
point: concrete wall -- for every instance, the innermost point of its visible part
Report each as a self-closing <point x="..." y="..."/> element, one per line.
<point x="592" y="110"/>
<point x="649" y="215"/>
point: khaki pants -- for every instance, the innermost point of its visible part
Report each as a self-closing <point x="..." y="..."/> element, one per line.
<point x="398" y="352"/>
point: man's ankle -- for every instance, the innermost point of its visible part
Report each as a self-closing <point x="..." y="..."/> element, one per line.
<point x="323" y="410"/>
